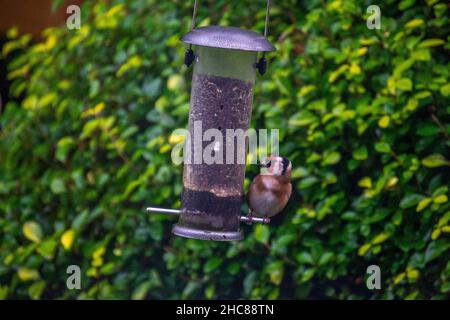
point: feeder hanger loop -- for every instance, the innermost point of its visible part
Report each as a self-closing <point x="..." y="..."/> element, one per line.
<point x="189" y="55"/>
<point x="261" y="65"/>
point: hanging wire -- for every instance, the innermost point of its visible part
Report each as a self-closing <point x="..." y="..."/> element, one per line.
<point x="194" y="14"/>
<point x="266" y="25"/>
<point x="261" y="65"/>
<point x="189" y="56"/>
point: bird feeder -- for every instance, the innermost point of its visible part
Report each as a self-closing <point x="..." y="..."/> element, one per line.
<point x="225" y="61"/>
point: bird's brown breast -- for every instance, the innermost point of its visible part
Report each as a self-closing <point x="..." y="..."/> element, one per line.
<point x="268" y="194"/>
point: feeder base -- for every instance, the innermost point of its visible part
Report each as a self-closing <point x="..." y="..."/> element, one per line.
<point x="206" y="235"/>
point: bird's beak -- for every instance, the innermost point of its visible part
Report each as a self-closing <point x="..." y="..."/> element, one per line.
<point x="263" y="163"/>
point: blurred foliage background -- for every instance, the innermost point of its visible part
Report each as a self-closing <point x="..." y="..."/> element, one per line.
<point x="364" y="116"/>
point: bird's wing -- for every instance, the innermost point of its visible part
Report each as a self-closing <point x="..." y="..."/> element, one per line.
<point x="256" y="182"/>
<point x="252" y="184"/>
<point x="289" y="193"/>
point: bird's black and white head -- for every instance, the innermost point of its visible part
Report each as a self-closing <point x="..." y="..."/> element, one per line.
<point x="276" y="166"/>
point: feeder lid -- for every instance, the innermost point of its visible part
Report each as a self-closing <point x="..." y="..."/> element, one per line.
<point x="228" y="38"/>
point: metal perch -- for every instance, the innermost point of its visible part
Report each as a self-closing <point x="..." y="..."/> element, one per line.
<point x="175" y="212"/>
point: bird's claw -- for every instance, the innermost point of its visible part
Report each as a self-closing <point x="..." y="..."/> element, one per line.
<point x="250" y="217"/>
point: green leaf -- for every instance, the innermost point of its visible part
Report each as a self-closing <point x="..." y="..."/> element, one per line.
<point x="377" y="216"/>
<point x="440" y="199"/>
<point x="363" y="249"/>
<point x="212" y="264"/>
<point x="47" y="248"/>
<point x="189" y="289"/>
<point x="27" y="274"/>
<point x="440" y="191"/>
<point x="307" y="182"/>
<point x="32" y="231"/>
<point x="410" y="200"/>
<point x="282" y="242"/>
<point x="306" y="89"/>
<point x="132" y="63"/>
<point x="4" y="290"/>
<point x="445" y="90"/>
<point x="262" y="233"/>
<point x="405" y="4"/>
<point x="57" y="186"/>
<point x="67" y="239"/>
<point x="380" y="238"/>
<point x="444" y="219"/>
<point x="249" y="281"/>
<point x="404" y="84"/>
<point x="360" y="153"/>
<point x="175" y="82"/>
<point x="434" y="161"/>
<point x="63" y="148"/>
<point x="141" y="291"/>
<point x="399" y="278"/>
<point x="412" y="296"/>
<point x="234" y="268"/>
<point x="36" y="289"/>
<point x="305" y="258"/>
<point x="302" y="118"/>
<point x="414" y="23"/>
<point x="435" y="249"/>
<point x="405" y="65"/>
<point x="210" y="292"/>
<point x="384" y="121"/>
<point x="435" y="234"/>
<point x="156" y="230"/>
<point x="422" y="95"/>
<point x="423" y="204"/>
<point x="276" y="272"/>
<point x="350" y="215"/>
<point x="331" y="158"/>
<point x="151" y="88"/>
<point x="428" y="130"/>
<point x="307" y="275"/>
<point x="365" y="182"/>
<point x="80" y="220"/>
<point x="431" y="43"/>
<point x="445" y="287"/>
<point x="421" y="55"/>
<point x="382" y="147"/>
<point x="326" y="258"/>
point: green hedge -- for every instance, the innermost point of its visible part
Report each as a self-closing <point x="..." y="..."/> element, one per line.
<point x="364" y="117"/>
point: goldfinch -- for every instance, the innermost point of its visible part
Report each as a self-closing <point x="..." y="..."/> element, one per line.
<point x="270" y="191"/>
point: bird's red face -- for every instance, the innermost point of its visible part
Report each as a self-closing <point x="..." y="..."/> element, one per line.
<point x="276" y="166"/>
